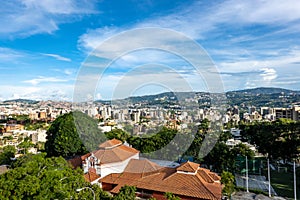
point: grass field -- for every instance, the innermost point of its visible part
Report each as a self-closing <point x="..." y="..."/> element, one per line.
<point x="283" y="184"/>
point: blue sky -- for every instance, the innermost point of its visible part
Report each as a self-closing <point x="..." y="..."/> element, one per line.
<point x="45" y="44"/>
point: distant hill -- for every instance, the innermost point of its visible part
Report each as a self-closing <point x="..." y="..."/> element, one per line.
<point x="266" y="90"/>
<point x="29" y="101"/>
<point x="165" y="96"/>
<point x="262" y="96"/>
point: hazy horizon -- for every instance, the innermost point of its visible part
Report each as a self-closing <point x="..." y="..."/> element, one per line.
<point x="151" y="94"/>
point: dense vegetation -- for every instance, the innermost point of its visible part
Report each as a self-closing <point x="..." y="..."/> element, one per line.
<point x="73" y="134"/>
<point x="220" y="158"/>
<point x="279" y="139"/>
<point x="38" y="177"/>
<point x="227" y="179"/>
<point x="150" y="146"/>
<point x="7" y="153"/>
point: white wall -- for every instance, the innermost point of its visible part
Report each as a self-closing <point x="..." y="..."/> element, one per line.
<point x="118" y="167"/>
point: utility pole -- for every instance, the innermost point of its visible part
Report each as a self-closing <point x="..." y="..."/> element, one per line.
<point x="247" y="186"/>
<point x="269" y="178"/>
<point x="295" y="189"/>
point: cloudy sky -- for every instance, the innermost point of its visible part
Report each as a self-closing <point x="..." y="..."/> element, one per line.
<point x="50" y="47"/>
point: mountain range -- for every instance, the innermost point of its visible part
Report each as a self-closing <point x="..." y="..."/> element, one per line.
<point x="262" y="96"/>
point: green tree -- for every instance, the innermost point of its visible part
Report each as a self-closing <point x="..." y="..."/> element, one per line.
<point x="117" y="134"/>
<point x="25" y="145"/>
<point x="242" y="150"/>
<point x="126" y="193"/>
<point x="171" y="196"/>
<point x="8" y="153"/>
<point x="38" y="177"/>
<point x="227" y="179"/>
<point x="72" y="134"/>
<point x="279" y="139"/>
<point x="220" y="157"/>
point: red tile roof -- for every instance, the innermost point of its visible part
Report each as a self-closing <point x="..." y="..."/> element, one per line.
<point x="114" y="151"/>
<point x="142" y="167"/>
<point x="110" y="144"/>
<point x="188" y="167"/>
<point x="165" y="179"/>
<point x="91" y="176"/>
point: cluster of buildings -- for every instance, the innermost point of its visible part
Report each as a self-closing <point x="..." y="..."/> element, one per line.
<point x="15" y="114"/>
<point x="15" y="136"/>
<point x="45" y="111"/>
<point x="137" y="118"/>
<point x="115" y="165"/>
<point x="143" y="118"/>
<point x="263" y="113"/>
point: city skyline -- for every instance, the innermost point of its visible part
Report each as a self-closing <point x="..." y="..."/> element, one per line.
<point x="44" y="44"/>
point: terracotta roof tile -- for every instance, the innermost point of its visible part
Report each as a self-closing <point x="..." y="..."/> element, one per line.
<point x="188" y="167"/>
<point x="215" y="176"/>
<point x="203" y="173"/>
<point x="143" y="167"/>
<point x="85" y="156"/>
<point x="116" y="153"/>
<point x="91" y="176"/>
<point x="110" y="143"/>
<point x="168" y="180"/>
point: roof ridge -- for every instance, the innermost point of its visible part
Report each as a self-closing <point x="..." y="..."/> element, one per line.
<point x="110" y="144"/>
<point x="189" y="166"/>
<point x="205" y="185"/>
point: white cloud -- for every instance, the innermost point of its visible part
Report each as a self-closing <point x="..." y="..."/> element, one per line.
<point x="258" y="11"/>
<point x="57" y="57"/>
<point x="7" y="54"/>
<point x="198" y="20"/>
<point x="42" y="79"/>
<point x="69" y="71"/>
<point x="61" y="6"/>
<point x="28" y="17"/>
<point x="61" y="92"/>
<point x="266" y="59"/>
<point x="268" y="74"/>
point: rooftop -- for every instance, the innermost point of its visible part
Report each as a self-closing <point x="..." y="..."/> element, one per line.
<point x="114" y="151"/>
<point x="199" y="185"/>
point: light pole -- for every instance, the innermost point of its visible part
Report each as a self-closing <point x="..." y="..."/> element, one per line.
<point x="295" y="184"/>
<point x="78" y="190"/>
<point x="269" y="177"/>
<point x="247" y="176"/>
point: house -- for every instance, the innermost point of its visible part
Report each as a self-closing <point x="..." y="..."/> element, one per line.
<point x="187" y="181"/>
<point x="111" y="157"/>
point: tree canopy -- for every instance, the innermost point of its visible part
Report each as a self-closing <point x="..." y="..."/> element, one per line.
<point x="279" y="139"/>
<point x="8" y="152"/>
<point x="72" y="134"/>
<point x="126" y="193"/>
<point x="38" y="177"/>
<point x="227" y="179"/>
<point x="150" y="145"/>
<point x="171" y="196"/>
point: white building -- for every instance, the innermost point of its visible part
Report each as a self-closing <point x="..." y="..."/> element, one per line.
<point x="112" y="157"/>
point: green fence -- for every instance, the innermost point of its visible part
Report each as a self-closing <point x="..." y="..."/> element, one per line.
<point x="254" y="165"/>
